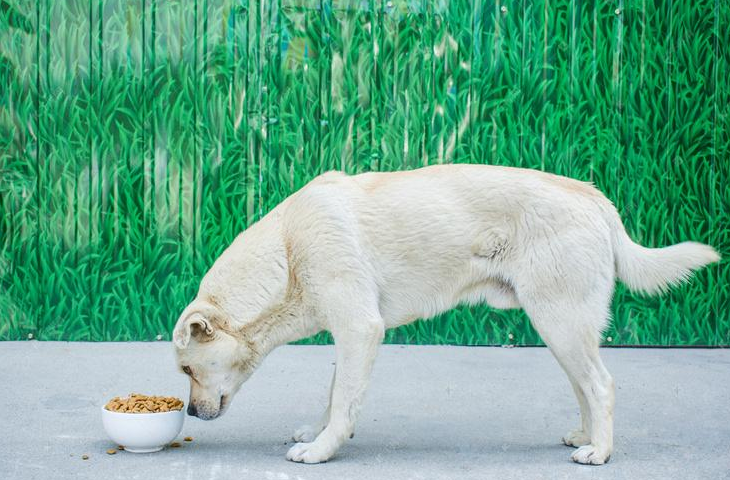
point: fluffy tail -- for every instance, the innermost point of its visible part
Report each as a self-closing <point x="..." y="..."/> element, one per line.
<point x="655" y="270"/>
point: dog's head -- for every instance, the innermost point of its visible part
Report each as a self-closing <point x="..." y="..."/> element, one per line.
<point x="216" y="359"/>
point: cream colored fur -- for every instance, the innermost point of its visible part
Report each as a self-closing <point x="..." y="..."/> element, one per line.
<point x="356" y="255"/>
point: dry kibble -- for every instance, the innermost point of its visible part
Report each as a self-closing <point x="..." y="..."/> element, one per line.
<point x="138" y="403"/>
<point x="111" y="451"/>
<point x="188" y="439"/>
<point x="120" y="447"/>
<point x="84" y="457"/>
<point x="175" y="444"/>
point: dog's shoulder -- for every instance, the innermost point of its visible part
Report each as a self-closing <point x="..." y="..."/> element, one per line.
<point x="322" y="206"/>
<point x="326" y="189"/>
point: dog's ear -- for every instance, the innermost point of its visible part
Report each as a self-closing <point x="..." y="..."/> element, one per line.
<point x="192" y="325"/>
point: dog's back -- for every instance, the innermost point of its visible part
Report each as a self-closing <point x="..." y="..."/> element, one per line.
<point x="446" y="234"/>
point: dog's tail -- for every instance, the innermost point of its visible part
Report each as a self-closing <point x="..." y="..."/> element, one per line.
<point x="655" y="270"/>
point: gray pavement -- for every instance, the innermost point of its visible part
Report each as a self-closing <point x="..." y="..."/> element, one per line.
<point x="431" y="413"/>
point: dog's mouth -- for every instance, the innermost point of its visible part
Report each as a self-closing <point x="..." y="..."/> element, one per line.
<point x="209" y="414"/>
<point x="223" y="405"/>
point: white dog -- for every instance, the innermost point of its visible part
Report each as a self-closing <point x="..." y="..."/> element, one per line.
<point x="355" y="255"/>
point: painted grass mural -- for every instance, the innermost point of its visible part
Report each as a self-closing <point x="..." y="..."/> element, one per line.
<point x="137" y="138"/>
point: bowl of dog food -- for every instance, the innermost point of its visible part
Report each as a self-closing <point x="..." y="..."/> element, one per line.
<point x="141" y="423"/>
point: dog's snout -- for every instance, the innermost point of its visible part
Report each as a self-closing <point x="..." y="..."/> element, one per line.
<point x="192" y="411"/>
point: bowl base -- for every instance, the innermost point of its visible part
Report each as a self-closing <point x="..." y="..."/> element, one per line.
<point x="143" y="450"/>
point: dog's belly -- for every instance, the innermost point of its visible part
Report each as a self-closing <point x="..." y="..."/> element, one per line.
<point x="401" y="304"/>
<point x="468" y="260"/>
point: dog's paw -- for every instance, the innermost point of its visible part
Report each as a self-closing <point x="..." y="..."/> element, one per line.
<point x="304" y="434"/>
<point x="315" y="452"/>
<point x="590" y="455"/>
<point x="576" y="438"/>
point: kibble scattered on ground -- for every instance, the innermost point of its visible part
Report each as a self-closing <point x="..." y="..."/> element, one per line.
<point x="111" y="451"/>
<point x="175" y="444"/>
<point x="188" y="439"/>
<point x="84" y="457"/>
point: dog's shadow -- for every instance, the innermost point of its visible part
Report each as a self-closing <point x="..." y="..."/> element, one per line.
<point x="366" y="450"/>
<point x="369" y="451"/>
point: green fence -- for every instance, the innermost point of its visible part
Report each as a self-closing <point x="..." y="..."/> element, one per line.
<point x="138" y="137"/>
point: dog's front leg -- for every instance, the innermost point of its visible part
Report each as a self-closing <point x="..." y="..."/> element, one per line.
<point x="356" y="347"/>
<point x="308" y="433"/>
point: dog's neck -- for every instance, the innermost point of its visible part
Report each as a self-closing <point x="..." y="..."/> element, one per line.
<point x="256" y="288"/>
<point x="284" y="324"/>
<point x="287" y="320"/>
<point x="250" y="276"/>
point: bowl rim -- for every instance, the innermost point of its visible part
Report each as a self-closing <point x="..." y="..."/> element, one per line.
<point x="132" y="414"/>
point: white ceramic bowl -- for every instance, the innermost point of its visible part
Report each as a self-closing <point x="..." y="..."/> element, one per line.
<point x="142" y="432"/>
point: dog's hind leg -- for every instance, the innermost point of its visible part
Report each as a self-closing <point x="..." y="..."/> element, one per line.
<point x="580" y="436"/>
<point x="570" y="333"/>
<point x="307" y="433"/>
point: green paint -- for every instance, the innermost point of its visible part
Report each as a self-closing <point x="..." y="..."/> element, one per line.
<point x="138" y="138"/>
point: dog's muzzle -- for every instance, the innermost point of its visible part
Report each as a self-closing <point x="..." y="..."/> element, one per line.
<point x="205" y="410"/>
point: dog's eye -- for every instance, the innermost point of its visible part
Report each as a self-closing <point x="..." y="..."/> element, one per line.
<point x="187" y="370"/>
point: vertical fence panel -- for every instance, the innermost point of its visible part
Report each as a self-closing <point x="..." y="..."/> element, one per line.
<point x="324" y="62"/>
<point x="116" y="126"/>
<point x="631" y="24"/>
<point x="367" y="73"/>
<point x="253" y="108"/>
<point x="388" y="124"/>
<point x="348" y="38"/>
<point x="267" y="165"/>
<point x="171" y="90"/>
<point x="220" y="107"/>
<point x="275" y="173"/>
<point x="719" y="274"/>
<point x="582" y="92"/>
<point x="482" y="82"/>
<point x="150" y="81"/>
<point x="689" y="319"/>
<point x="133" y="192"/>
<point x="19" y="269"/>
<point x="67" y="229"/>
<point x="462" y="21"/>
<point x="530" y="106"/>
<point x="557" y="98"/>
<point x="290" y="101"/>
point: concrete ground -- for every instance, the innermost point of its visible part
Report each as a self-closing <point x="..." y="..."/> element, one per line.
<point x="431" y="413"/>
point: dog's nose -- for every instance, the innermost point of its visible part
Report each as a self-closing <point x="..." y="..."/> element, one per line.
<point x="192" y="411"/>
